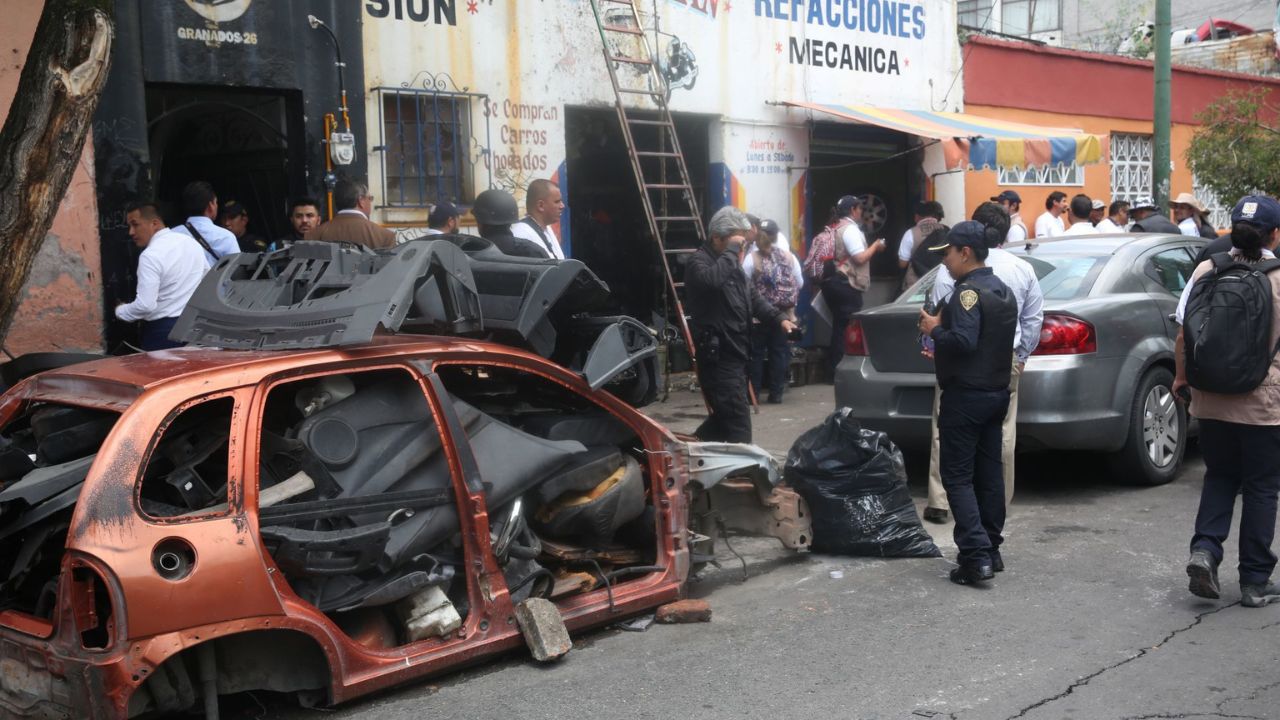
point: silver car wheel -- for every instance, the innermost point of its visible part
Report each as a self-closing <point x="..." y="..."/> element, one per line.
<point x="1161" y="426"/>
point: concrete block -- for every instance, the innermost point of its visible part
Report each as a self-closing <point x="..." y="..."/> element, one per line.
<point x="685" y="611"/>
<point x="428" y="613"/>
<point x="543" y="629"/>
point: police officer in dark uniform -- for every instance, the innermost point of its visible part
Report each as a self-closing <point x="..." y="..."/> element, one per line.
<point x="495" y="212"/>
<point x="722" y="303"/>
<point x="971" y="338"/>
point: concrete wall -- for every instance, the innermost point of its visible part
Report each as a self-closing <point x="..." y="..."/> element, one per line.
<point x="61" y="306"/>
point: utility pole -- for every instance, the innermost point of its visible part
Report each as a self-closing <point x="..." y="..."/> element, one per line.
<point x="1161" y="160"/>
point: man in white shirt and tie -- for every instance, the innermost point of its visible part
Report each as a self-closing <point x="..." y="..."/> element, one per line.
<point x="170" y="268"/>
<point x="543" y="203"/>
<point x="200" y="203"/>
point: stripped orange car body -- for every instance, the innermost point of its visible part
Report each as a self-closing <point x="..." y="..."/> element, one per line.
<point x="149" y="608"/>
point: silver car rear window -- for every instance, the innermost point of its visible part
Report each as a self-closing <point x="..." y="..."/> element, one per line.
<point x="1062" y="277"/>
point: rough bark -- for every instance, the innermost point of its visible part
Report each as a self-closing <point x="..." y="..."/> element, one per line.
<point x="43" y="136"/>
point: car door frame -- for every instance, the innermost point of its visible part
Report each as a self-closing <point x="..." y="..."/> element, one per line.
<point x="666" y="491"/>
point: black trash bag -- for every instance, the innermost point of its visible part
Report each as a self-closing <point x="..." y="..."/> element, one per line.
<point x="856" y="485"/>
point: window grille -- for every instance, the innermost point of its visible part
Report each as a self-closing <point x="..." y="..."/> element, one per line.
<point x="1049" y="175"/>
<point x="427" y="145"/>
<point x="1219" y="214"/>
<point x="1130" y="166"/>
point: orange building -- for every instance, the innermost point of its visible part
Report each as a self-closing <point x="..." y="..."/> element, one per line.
<point x="1100" y="94"/>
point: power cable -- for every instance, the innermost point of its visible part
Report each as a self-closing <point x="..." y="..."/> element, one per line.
<point x="965" y="58"/>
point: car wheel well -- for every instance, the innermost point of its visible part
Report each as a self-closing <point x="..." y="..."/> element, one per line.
<point x="275" y="660"/>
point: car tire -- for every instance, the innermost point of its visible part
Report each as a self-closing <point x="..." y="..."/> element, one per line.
<point x="1157" y="434"/>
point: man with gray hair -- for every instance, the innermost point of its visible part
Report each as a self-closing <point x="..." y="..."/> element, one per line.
<point x="351" y="224"/>
<point x="722" y="304"/>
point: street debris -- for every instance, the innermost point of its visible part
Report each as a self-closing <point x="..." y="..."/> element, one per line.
<point x="684" y="611"/>
<point x="543" y="629"/>
<point x="855" y="482"/>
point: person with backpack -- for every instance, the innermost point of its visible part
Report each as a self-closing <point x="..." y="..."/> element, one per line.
<point x="1225" y="353"/>
<point x="848" y="274"/>
<point x="913" y="255"/>
<point x="775" y="273"/>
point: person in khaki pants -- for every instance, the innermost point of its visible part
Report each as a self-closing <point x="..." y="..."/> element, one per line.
<point x="1022" y="280"/>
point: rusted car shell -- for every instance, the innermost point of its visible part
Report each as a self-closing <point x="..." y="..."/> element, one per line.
<point x="235" y="587"/>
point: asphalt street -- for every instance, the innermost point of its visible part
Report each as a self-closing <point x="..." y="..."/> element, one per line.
<point x="1091" y="621"/>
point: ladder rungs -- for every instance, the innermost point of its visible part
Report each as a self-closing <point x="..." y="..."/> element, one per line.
<point x="674" y="218"/>
<point x="622" y="29"/>
<point x="620" y="2"/>
<point x="680" y="251"/>
<point x="664" y="123"/>
<point x="650" y="93"/>
<point x="633" y="61"/>
<point x="666" y="187"/>
<point x="678" y="285"/>
<point x="650" y="153"/>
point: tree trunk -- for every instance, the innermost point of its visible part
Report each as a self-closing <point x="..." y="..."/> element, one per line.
<point x="43" y="136"/>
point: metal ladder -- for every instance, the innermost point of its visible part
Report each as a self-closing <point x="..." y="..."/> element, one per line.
<point x="670" y="205"/>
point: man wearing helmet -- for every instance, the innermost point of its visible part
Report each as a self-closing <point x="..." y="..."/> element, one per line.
<point x="495" y="212"/>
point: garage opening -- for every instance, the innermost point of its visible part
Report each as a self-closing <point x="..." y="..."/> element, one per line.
<point x="849" y="159"/>
<point x="242" y="141"/>
<point x="607" y="219"/>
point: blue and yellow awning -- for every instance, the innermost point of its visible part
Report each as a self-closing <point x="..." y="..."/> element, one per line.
<point x="978" y="142"/>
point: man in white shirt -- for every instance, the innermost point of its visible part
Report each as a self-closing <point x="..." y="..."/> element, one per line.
<point x="1117" y="218"/>
<point x="200" y="203"/>
<point x="543" y="203"/>
<point x="1097" y="212"/>
<point x="170" y="268"/>
<point x="1050" y="224"/>
<point x="1012" y="203"/>
<point x="1081" y="206"/>
<point x="1022" y="281"/>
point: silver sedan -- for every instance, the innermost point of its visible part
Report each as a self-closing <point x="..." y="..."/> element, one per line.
<point x="1100" y="379"/>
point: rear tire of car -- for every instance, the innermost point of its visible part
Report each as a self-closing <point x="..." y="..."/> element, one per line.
<point x="1157" y="436"/>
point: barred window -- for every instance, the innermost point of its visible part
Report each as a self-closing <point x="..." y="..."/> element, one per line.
<point x="1130" y="166"/>
<point x="1048" y="175"/>
<point x="1219" y="214"/>
<point x="426" y="135"/>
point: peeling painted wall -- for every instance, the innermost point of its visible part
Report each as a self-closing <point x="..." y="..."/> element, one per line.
<point x="535" y="59"/>
<point x="61" y="306"/>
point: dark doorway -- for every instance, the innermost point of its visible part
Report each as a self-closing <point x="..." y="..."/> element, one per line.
<point x="850" y="159"/>
<point x="607" y="219"/>
<point x="243" y="142"/>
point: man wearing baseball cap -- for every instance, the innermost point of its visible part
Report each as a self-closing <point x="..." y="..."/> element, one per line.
<point x="1239" y="430"/>
<point x="1012" y="202"/>
<point x="443" y="219"/>
<point x="1147" y="218"/>
<point x="1097" y="212"/>
<point x="970" y="341"/>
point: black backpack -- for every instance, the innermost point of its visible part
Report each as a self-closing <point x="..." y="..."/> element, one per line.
<point x="922" y="260"/>
<point x="1227" y="326"/>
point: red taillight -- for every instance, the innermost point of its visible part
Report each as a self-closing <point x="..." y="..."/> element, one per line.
<point x="1066" y="335"/>
<point x="855" y="341"/>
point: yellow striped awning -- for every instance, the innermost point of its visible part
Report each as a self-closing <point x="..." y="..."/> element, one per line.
<point x="978" y="142"/>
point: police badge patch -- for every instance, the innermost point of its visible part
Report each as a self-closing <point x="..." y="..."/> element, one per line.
<point x="968" y="299"/>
